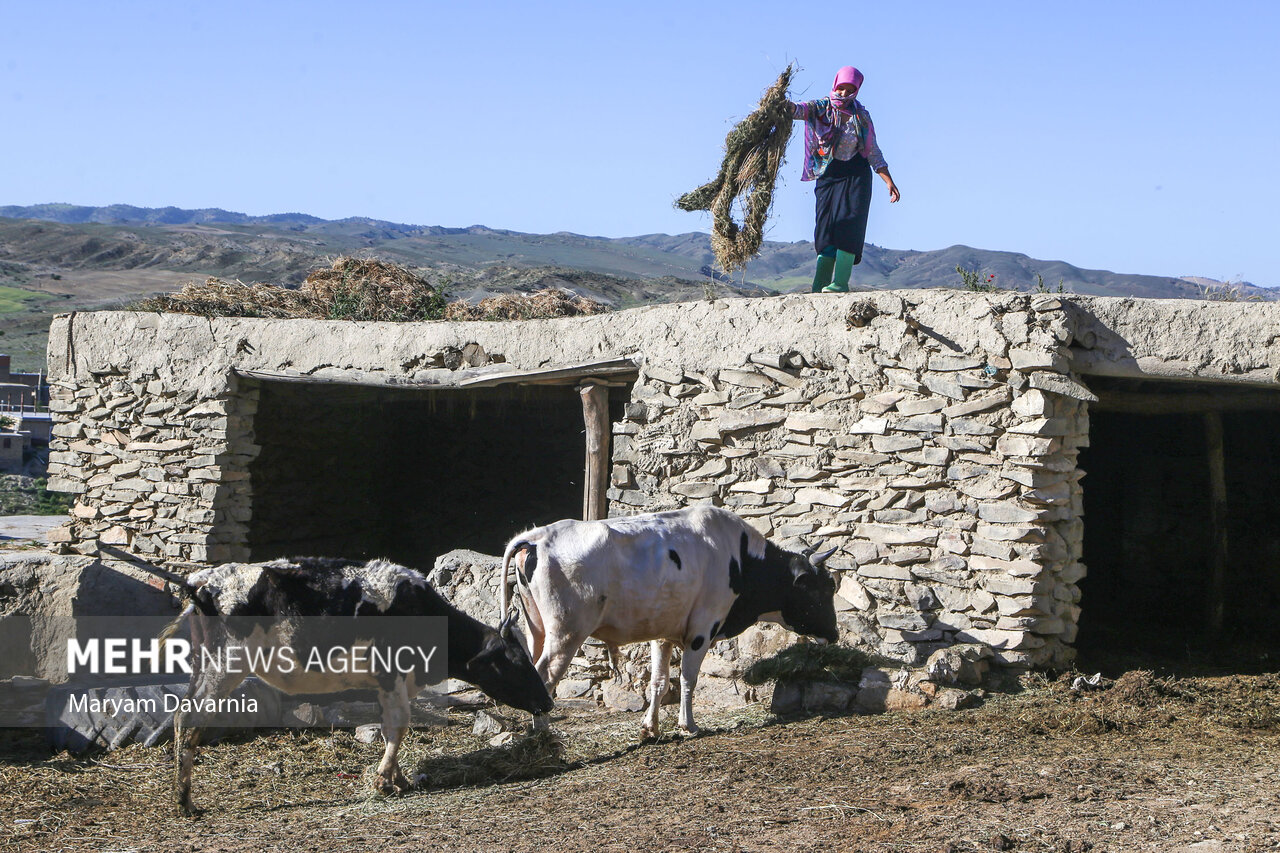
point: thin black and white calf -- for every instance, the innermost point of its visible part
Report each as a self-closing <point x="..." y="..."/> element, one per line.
<point x="315" y="605"/>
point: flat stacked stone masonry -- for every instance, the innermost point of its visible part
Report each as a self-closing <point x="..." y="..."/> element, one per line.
<point x="932" y="436"/>
<point x="944" y="470"/>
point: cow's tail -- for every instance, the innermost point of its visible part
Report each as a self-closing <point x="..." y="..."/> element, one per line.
<point x="186" y="590"/>
<point x="173" y="627"/>
<point x="505" y="599"/>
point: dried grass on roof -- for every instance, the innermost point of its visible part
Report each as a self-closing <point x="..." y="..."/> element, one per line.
<point x="753" y="154"/>
<point x="542" y="304"/>
<point x="363" y="289"/>
<point x="217" y="298"/>
<point x="366" y="289"/>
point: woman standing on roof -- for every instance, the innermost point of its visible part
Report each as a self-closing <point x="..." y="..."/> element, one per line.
<point x="840" y="152"/>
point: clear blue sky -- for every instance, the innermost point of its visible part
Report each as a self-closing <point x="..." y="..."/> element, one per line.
<point x="1139" y="137"/>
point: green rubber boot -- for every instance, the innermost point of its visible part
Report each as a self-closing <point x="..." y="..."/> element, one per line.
<point x="840" y="277"/>
<point x="822" y="275"/>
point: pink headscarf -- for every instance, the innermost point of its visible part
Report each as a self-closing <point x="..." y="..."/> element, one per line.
<point x="848" y="74"/>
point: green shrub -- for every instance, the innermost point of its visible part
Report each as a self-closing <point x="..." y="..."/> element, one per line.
<point x="973" y="280"/>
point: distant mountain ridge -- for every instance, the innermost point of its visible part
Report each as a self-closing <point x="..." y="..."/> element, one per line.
<point x="780" y="266"/>
<point x="65" y="257"/>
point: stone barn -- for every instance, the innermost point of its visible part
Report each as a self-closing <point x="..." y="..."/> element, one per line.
<point x="940" y="438"/>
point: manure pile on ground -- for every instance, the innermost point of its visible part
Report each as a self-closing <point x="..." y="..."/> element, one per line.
<point x="362" y="289"/>
<point x="753" y="153"/>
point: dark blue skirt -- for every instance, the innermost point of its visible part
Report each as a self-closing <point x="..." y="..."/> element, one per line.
<point x="843" y="196"/>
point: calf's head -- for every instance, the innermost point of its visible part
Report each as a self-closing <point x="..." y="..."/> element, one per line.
<point x="809" y="604"/>
<point x="503" y="670"/>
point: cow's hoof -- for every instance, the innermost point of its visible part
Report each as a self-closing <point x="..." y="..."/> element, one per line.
<point x="691" y="730"/>
<point x="392" y="786"/>
<point x="648" y="732"/>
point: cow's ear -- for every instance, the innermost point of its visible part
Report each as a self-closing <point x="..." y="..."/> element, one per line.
<point x="492" y="648"/>
<point x="802" y="571"/>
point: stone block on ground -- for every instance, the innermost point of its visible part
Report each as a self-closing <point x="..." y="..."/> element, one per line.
<point x="964" y="663"/>
<point x="573" y="689"/>
<point x="951" y="699"/>
<point x="619" y="698"/>
<point x="826" y="697"/>
<point x="369" y="733"/>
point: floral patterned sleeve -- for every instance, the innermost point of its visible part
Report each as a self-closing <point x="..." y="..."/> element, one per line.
<point x="800" y="110"/>
<point x="871" y="149"/>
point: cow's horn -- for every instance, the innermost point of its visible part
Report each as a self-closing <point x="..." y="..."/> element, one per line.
<point x="819" y="559"/>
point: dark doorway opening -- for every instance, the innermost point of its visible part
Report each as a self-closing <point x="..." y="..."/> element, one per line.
<point x="364" y="472"/>
<point x="1151" y="539"/>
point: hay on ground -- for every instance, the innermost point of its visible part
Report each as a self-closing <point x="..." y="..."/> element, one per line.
<point x="754" y="151"/>
<point x="1140" y="701"/>
<point x="531" y="756"/>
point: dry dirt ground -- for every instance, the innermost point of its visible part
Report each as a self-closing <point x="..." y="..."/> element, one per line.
<point x="1148" y="764"/>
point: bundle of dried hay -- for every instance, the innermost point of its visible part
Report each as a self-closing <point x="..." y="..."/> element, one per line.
<point x="754" y="151"/>
<point x="365" y="289"/>
<point x="540" y="305"/>
<point x="218" y="298"/>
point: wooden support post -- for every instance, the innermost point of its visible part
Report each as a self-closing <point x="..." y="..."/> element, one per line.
<point x="1218" y="519"/>
<point x="595" y="415"/>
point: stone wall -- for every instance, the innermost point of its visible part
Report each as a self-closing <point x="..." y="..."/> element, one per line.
<point x="157" y="470"/>
<point x="944" y="471"/>
<point x="932" y="436"/>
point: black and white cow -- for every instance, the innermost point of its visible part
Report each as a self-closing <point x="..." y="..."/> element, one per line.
<point x="309" y="604"/>
<point x="687" y="577"/>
